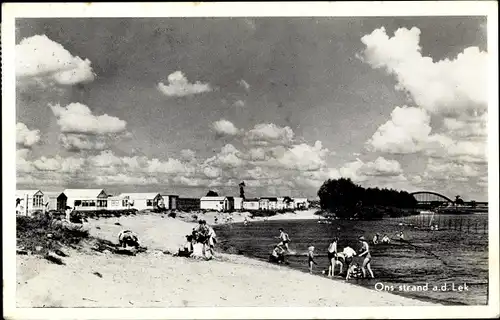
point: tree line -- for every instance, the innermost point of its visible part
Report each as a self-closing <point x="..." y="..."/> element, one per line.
<point x="349" y="200"/>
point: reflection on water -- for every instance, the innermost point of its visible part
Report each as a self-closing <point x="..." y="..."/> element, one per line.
<point x="433" y="257"/>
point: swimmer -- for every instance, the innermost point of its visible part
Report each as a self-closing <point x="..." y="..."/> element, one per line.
<point x="365" y="252"/>
<point x="401" y="236"/>
<point x="386" y="239"/>
<point x="285" y="239"/>
<point x="310" y="258"/>
<point x="332" y="254"/>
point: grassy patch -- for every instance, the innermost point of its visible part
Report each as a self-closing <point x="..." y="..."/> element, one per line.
<point x="41" y="235"/>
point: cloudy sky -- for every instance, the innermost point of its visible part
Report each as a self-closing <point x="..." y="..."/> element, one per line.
<point x="187" y="105"/>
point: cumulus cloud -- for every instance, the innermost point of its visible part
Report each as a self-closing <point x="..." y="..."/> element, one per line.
<point x="76" y="142"/>
<point x="447" y="86"/>
<point x="82" y="130"/>
<point x="406" y="132"/>
<point x="228" y="157"/>
<point x="239" y="103"/>
<point x="179" y="86"/>
<point x="360" y="171"/>
<point x="451" y="91"/>
<point x="265" y="134"/>
<point x="302" y="157"/>
<point x="105" y="168"/>
<point x="22" y="164"/>
<point x="26" y="138"/>
<point x="78" y="118"/>
<point x="45" y="61"/>
<point x="450" y="171"/>
<point x="467" y="127"/>
<point x="409" y="131"/>
<point x="224" y="127"/>
<point x="244" y="84"/>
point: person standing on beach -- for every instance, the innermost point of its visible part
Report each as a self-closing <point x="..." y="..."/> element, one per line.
<point x="285" y="239"/>
<point x="310" y="258"/>
<point x="332" y="255"/>
<point x="211" y="239"/>
<point x="365" y="252"/>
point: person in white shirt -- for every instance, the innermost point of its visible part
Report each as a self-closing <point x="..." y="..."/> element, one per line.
<point x="349" y="253"/>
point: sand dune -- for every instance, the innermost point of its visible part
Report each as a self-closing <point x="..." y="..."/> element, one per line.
<point x="152" y="279"/>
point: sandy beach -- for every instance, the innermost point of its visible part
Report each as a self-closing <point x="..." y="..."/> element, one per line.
<point x="155" y="279"/>
<point x="240" y="216"/>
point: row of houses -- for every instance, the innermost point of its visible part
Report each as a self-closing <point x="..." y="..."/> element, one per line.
<point x="263" y="203"/>
<point x="30" y="201"/>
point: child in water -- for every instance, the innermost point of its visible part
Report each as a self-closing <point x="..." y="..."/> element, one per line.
<point x="310" y="258"/>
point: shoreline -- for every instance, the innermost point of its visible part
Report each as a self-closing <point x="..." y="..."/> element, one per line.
<point x="255" y="252"/>
<point x="239" y="216"/>
<point x="228" y="280"/>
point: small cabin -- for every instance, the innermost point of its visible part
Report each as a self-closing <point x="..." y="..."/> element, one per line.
<point x="142" y="201"/>
<point x="214" y="203"/>
<point x="29" y="202"/>
<point x="86" y="199"/>
<point x="251" y="204"/>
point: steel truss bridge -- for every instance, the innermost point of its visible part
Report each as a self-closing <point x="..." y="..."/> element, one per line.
<point x="429" y="198"/>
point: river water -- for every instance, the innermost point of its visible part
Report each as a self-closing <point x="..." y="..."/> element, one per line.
<point x="444" y="259"/>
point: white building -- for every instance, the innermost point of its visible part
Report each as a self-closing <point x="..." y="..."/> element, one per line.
<point x="251" y="204"/>
<point x="169" y="201"/>
<point x="268" y="203"/>
<point x="301" y="203"/>
<point x="142" y="201"/>
<point x="117" y="203"/>
<point x="285" y="203"/>
<point x="238" y="203"/>
<point x="214" y="203"/>
<point x="29" y="201"/>
<point x="86" y="199"/>
<point x="55" y="201"/>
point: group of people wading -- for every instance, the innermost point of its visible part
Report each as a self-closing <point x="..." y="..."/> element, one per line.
<point x="357" y="264"/>
<point x="200" y="243"/>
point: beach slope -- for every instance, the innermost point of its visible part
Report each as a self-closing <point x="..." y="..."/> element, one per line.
<point x="155" y="279"/>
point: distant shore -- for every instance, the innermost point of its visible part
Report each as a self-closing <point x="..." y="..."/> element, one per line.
<point x="239" y="216"/>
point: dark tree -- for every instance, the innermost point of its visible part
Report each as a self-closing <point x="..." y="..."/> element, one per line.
<point x="242" y="190"/>
<point x="211" y="193"/>
<point x="473" y="203"/>
<point x="346" y="199"/>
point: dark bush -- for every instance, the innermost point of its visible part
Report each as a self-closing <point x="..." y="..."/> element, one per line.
<point x="172" y="214"/>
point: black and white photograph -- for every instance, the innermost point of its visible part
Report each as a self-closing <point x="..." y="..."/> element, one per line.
<point x="211" y="157"/>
